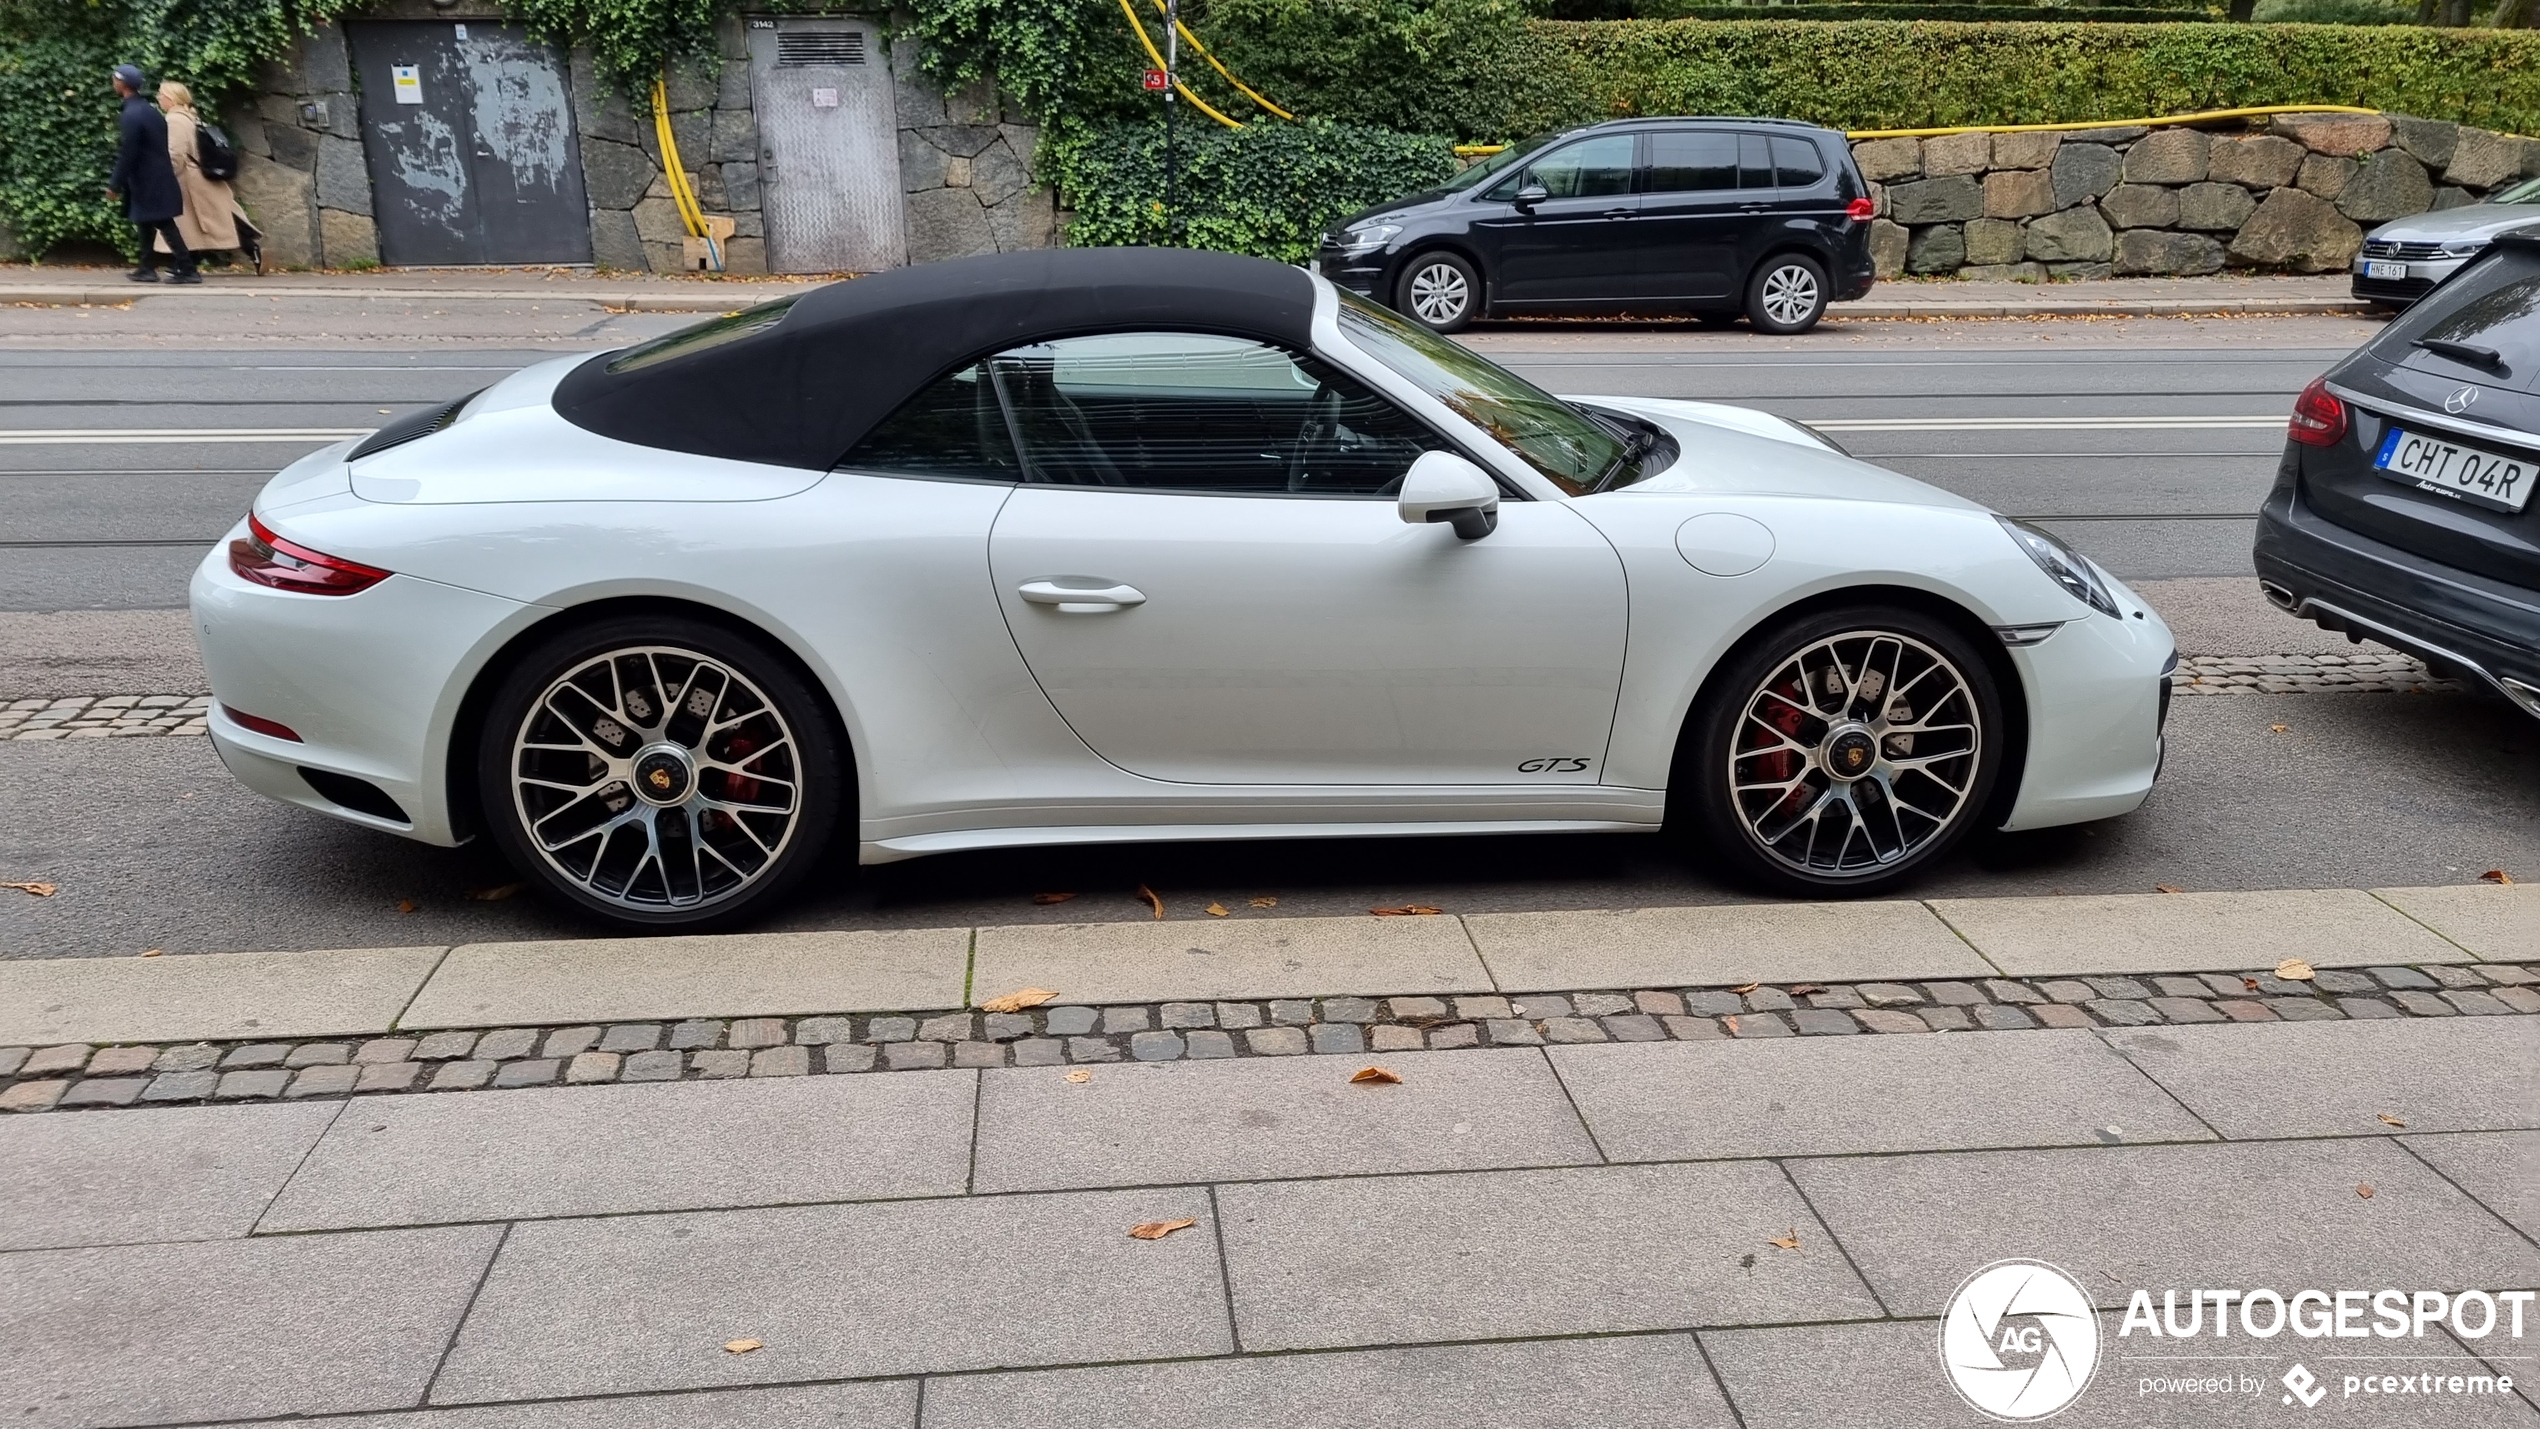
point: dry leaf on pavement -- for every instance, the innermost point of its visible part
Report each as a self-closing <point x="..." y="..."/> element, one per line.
<point x="1376" y="1074"/>
<point x="1802" y="989"/>
<point x="2493" y="875"/>
<point x="2278" y="728"/>
<point x="496" y="894"/>
<point x="1407" y="910"/>
<point x="1217" y="910"/>
<point x="2249" y="984"/>
<point x="1158" y="1230"/>
<point x="1152" y="901"/>
<point x="2293" y="970"/>
<point x="1018" y="1000"/>
<point x="2364" y="1190"/>
<point x="1081" y="1075"/>
<point x="1786" y="1242"/>
<point x="741" y="1347"/>
<point x="37" y="890"/>
<point x="405" y="905"/>
<point x="153" y="952"/>
<point x="2390" y="1120"/>
<point x="1744" y="988"/>
<point x="1047" y="898"/>
<point x="1265" y="902"/>
<point x="2167" y="888"/>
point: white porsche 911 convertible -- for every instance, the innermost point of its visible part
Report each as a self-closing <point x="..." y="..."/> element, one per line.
<point x="1132" y="544"/>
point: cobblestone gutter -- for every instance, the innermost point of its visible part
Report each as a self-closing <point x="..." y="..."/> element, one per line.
<point x="703" y="1049"/>
<point x="2365" y="671"/>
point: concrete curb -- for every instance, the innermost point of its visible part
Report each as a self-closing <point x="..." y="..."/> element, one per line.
<point x="230" y="996"/>
<point x="2105" y="308"/>
<point x="618" y="300"/>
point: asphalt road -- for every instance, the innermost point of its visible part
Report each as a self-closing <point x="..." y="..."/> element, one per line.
<point x="2148" y="443"/>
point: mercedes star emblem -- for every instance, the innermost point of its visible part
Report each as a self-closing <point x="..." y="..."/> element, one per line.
<point x="2459" y="401"/>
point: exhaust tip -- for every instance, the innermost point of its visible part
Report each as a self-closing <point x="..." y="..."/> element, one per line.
<point x="2278" y="596"/>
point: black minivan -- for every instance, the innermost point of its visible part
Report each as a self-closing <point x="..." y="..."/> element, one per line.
<point x="1715" y="217"/>
<point x="2403" y="511"/>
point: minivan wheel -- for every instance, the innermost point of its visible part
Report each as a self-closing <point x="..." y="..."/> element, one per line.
<point x="1787" y="294"/>
<point x="1439" y="291"/>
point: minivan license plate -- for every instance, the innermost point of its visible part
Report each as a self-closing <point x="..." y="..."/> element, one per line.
<point x="2483" y="478"/>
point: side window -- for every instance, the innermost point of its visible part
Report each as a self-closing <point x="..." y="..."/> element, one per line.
<point x="1754" y="162"/>
<point x="1796" y="163"/>
<point x="1691" y="161"/>
<point x="954" y="428"/>
<point x="1200" y="413"/>
<point x="1591" y="168"/>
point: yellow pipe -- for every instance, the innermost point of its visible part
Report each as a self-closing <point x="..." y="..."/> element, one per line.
<point x="1476" y="151"/>
<point x="2107" y="123"/>
<point x="1158" y="57"/>
<point x="1229" y="75"/>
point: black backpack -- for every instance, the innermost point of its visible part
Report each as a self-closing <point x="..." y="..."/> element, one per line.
<point x="213" y="152"/>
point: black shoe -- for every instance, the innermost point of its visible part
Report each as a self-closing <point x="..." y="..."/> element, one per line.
<point x="256" y="254"/>
<point x="185" y="277"/>
<point x="143" y="275"/>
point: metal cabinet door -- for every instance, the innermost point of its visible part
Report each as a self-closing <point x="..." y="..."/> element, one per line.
<point x="829" y="161"/>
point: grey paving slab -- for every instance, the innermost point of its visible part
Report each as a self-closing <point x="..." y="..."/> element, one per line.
<point x="1725" y="945"/>
<point x="1162" y="1122"/>
<point x="164" y="1173"/>
<point x="661" y="1146"/>
<point x="1681" y="1101"/>
<point x="634" y="1303"/>
<point x="1201" y="962"/>
<point x="2192" y="932"/>
<point x="874" y="1404"/>
<point x="2515" y="1359"/>
<point x="1889" y="1374"/>
<point x="2261" y="1079"/>
<point x="2500" y="1168"/>
<point x="726" y="975"/>
<point x="207" y="996"/>
<point x="2493" y="921"/>
<point x="233" y="1329"/>
<point x="1631" y="1382"/>
<point x="1486" y="1255"/>
<point x="2237" y="1214"/>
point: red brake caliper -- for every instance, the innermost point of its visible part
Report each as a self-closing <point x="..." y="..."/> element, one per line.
<point x="1782" y="764"/>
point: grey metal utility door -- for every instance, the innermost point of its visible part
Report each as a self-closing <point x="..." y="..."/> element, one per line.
<point x="829" y="159"/>
<point x="469" y="132"/>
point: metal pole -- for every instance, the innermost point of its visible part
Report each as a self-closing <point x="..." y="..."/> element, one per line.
<point x="1172" y="52"/>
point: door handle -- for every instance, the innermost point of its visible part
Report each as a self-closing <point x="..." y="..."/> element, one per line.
<point x="1755" y="208"/>
<point x="1618" y="213"/>
<point x="1081" y="600"/>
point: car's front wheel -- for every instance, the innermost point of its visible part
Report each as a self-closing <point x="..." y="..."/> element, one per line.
<point x="1786" y="294"/>
<point x="659" y="772"/>
<point x="1440" y="292"/>
<point x="1844" y="751"/>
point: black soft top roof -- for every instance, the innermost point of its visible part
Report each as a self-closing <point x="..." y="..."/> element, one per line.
<point x="804" y="390"/>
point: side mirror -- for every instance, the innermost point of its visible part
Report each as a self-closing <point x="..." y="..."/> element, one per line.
<point x="1533" y="193"/>
<point x="1442" y="486"/>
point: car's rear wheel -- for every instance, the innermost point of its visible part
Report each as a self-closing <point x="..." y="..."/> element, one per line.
<point x="660" y="772"/>
<point x="1844" y="751"/>
<point x="1786" y="294"/>
<point x="1440" y="292"/>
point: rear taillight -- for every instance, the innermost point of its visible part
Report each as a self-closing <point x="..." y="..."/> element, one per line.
<point x="1860" y="210"/>
<point x="261" y="725"/>
<point x="2319" y="420"/>
<point x="269" y="560"/>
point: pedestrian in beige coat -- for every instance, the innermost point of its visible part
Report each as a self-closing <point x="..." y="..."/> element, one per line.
<point x="212" y="219"/>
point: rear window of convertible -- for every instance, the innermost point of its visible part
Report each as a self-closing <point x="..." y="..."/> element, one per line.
<point x="715" y="332"/>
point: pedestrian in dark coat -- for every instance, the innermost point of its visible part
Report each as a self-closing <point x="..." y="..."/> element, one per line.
<point x="146" y="182"/>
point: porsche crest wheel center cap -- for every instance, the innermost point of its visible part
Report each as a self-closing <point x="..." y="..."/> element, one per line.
<point x="663" y="775"/>
<point x="1850" y="752"/>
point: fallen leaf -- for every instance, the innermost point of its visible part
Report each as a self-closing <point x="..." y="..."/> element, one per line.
<point x="2278" y="728"/>
<point x="742" y="1347"/>
<point x="2493" y="875"/>
<point x="1786" y="1242"/>
<point x="1265" y="903"/>
<point x="1158" y="1230"/>
<point x="405" y="905"/>
<point x="1018" y="1000"/>
<point x="497" y="893"/>
<point x="2167" y="888"/>
<point x="1047" y="898"/>
<point x="1407" y="910"/>
<point x="2389" y="1120"/>
<point x="38" y="890"/>
<point x="2249" y="983"/>
<point x="2364" y="1190"/>
<point x="1376" y="1074"/>
<point x="1802" y="989"/>
<point x="1217" y="910"/>
<point x="1152" y="901"/>
<point x="153" y="952"/>
<point x="2293" y="970"/>
<point x="1081" y="1075"/>
<point x="1730" y="1022"/>
<point x="1743" y="988"/>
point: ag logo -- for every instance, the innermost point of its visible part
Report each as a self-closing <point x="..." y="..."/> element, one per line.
<point x="2020" y="1341"/>
<point x="660" y="779"/>
<point x="2459" y="401"/>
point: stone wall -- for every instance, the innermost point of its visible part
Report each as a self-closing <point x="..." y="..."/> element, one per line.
<point x="2295" y="193"/>
<point x="966" y="165"/>
<point x="301" y="174"/>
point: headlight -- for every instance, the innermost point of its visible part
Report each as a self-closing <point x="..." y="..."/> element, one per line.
<point x="2062" y="564"/>
<point x="1368" y="238"/>
<point x="2464" y="250"/>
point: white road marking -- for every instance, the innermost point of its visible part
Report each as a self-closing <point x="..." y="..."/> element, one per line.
<point x="2040" y="424"/>
<point x="161" y="436"/>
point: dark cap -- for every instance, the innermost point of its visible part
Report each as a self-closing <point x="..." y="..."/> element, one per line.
<point x="131" y="75"/>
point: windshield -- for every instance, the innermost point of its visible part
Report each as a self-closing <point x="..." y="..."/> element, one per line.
<point x="1573" y="450"/>
<point x="2528" y="191"/>
<point x="714" y="332"/>
<point x="1484" y="168"/>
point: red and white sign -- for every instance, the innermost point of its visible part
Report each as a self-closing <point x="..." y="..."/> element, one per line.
<point x="1154" y="79"/>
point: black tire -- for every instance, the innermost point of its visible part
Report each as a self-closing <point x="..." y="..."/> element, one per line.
<point x="739" y="748"/>
<point x="1830" y="834"/>
<point x="1786" y="293"/>
<point x="1439" y="291"/>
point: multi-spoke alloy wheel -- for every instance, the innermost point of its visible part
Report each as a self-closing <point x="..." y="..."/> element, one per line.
<point x="1440" y="290"/>
<point x="656" y="781"/>
<point x="1854" y="750"/>
<point x="1787" y="294"/>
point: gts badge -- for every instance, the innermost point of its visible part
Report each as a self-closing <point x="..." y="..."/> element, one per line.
<point x="1553" y="766"/>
